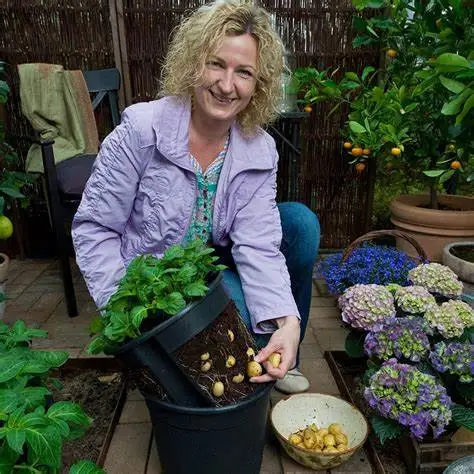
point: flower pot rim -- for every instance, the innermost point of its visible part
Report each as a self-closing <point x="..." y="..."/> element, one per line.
<point x="213" y="411"/>
<point x="170" y="321"/>
<point x="411" y="200"/>
<point x="448" y="247"/>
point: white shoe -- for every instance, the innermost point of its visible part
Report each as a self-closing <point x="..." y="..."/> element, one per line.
<point x="293" y="382"/>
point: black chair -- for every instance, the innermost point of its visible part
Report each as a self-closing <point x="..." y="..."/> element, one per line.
<point x="65" y="181"/>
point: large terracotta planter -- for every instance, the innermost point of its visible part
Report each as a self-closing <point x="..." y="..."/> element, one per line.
<point x="432" y="228"/>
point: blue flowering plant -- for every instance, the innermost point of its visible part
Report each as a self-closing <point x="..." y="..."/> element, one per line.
<point x="367" y="264"/>
<point x="455" y="358"/>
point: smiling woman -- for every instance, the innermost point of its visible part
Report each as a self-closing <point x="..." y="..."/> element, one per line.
<point x="220" y="85"/>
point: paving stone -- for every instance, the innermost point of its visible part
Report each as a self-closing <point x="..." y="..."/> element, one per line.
<point x="357" y="464"/>
<point x="271" y="463"/>
<point x="135" y="395"/>
<point x="30" y="317"/>
<point x="331" y="339"/>
<point x="319" y="375"/>
<point x="292" y="467"/>
<point x="49" y="301"/>
<point x="154" y="466"/>
<point x="129" y="448"/>
<point x="134" y="411"/>
<point x="24" y="300"/>
<point x="323" y="302"/>
<point x="310" y="350"/>
<point x="13" y="290"/>
<point x="27" y="277"/>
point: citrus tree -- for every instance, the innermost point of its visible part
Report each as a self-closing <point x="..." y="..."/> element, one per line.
<point x="12" y="181"/>
<point x="414" y="115"/>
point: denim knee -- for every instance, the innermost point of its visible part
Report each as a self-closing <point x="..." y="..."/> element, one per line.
<point x="301" y="229"/>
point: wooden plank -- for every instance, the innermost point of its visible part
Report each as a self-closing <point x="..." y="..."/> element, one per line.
<point x="123" y="52"/>
<point x="346" y="394"/>
<point x="117" y="53"/>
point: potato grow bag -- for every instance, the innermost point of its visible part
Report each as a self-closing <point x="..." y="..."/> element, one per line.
<point x="215" y="440"/>
<point x="152" y="351"/>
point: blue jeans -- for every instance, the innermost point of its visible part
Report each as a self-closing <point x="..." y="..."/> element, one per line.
<point x="299" y="245"/>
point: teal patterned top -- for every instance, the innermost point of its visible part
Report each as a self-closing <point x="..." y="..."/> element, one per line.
<point x="201" y="220"/>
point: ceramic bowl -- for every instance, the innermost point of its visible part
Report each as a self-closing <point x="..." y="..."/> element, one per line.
<point x="299" y="411"/>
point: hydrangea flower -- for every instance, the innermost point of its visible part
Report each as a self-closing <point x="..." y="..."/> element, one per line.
<point x="414" y="299"/>
<point x="368" y="264"/>
<point x="366" y="306"/>
<point x="437" y="279"/>
<point x="451" y="318"/>
<point x="412" y="398"/>
<point x="401" y="337"/>
<point x="456" y="358"/>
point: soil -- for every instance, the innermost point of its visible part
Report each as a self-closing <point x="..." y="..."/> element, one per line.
<point x="464" y="252"/>
<point x="98" y="393"/>
<point x="213" y="340"/>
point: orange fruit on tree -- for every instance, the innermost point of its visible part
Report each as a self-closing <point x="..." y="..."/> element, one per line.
<point x="392" y="53"/>
<point x="308" y="109"/>
<point x="455" y="165"/>
<point x="347" y="145"/>
<point x="356" y="151"/>
<point x="366" y="151"/>
<point x="6" y="227"/>
<point x="360" y="167"/>
<point x="396" y="151"/>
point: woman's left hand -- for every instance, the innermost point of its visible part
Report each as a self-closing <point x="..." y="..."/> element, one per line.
<point x="285" y="340"/>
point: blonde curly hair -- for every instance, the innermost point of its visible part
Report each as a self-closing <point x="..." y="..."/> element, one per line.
<point x="200" y="35"/>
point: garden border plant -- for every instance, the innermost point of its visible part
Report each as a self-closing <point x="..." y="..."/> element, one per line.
<point x="33" y="427"/>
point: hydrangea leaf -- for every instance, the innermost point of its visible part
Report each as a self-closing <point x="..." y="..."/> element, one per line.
<point x="86" y="467"/>
<point x="354" y="344"/>
<point x="386" y="429"/>
<point x="463" y="416"/>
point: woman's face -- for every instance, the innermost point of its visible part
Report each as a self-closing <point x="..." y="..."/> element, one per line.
<point x="229" y="80"/>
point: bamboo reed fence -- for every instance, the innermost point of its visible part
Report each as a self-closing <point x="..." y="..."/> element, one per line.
<point x="133" y="35"/>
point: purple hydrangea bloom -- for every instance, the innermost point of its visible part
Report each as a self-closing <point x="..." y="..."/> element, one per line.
<point x="410" y="397"/>
<point x="368" y="264"/>
<point x="366" y="306"/>
<point x="457" y="358"/>
<point x="399" y="337"/>
<point x="414" y="299"/>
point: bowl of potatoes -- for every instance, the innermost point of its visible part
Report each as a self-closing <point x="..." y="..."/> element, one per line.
<point x="317" y="430"/>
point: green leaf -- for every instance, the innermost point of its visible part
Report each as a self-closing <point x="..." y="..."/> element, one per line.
<point x="356" y="127"/>
<point x="8" y="458"/>
<point x="452" y="85"/>
<point x="86" y="467"/>
<point x="138" y="314"/>
<point x="385" y="428"/>
<point x="445" y="176"/>
<point x="16" y="439"/>
<point x="354" y="344"/>
<point x="468" y="105"/>
<point x="450" y="62"/>
<point x="196" y="289"/>
<point x="463" y="416"/>
<point x="46" y="444"/>
<point x="10" y="368"/>
<point x="367" y="70"/>
<point x="352" y="76"/>
<point x="70" y="412"/>
<point x="454" y="106"/>
<point x="174" y="303"/>
<point x="96" y="346"/>
<point x="433" y="173"/>
<point x="96" y="325"/>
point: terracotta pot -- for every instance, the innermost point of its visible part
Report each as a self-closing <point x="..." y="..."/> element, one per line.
<point x="4" y="264"/>
<point x="463" y="268"/>
<point x="433" y="228"/>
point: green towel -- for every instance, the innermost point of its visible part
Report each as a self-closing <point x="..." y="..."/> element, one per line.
<point x="57" y="104"/>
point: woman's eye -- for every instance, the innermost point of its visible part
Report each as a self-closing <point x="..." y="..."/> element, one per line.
<point x="214" y="64"/>
<point x="245" y="73"/>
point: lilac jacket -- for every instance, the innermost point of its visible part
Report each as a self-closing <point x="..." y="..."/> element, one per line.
<point x="140" y="196"/>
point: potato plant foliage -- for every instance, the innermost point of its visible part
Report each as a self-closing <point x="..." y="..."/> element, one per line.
<point x="32" y="427"/>
<point x="153" y="287"/>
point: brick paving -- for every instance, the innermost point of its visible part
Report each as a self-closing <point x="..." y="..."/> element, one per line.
<point x="34" y="289"/>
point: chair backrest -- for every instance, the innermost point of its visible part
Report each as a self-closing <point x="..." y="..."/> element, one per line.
<point x="104" y="83"/>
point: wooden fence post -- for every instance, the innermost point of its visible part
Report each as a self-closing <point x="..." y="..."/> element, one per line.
<point x="123" y="52"/>
<point x="117" y="53"/>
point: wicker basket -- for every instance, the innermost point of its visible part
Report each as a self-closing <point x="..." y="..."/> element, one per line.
<point x="377" y="234"/>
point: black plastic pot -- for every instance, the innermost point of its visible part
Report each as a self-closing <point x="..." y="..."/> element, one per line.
<point x="219" y="440"/>
<point x="153" y="350"/>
